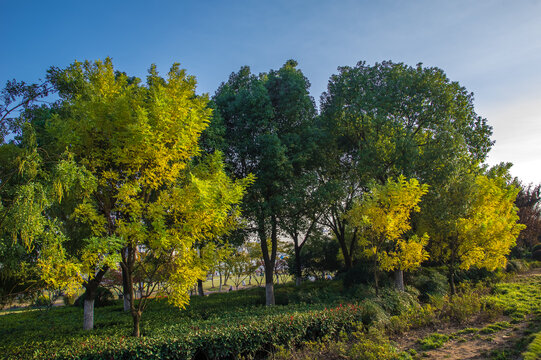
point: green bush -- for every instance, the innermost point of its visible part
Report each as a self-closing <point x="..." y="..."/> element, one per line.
<point x="395" y="302"/>
<point x="372" y="312"/>
<point x="429" y="282"/>
<point x="536" y="247"/>
<point x="43" y="301"/>
<point x="536" y="255"/>
<point x="516" y="266"/>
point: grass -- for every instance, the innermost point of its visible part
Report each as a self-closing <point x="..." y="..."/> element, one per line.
<point x="218" y="317"/>
<point x="433" y="341"/>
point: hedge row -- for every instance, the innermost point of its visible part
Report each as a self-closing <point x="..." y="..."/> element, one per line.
<point x="249" y="337"/>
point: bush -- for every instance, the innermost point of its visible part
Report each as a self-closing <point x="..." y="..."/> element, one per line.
<point x="460" y="308"/>
<point x="104" y="297"/>
<point x="372" y="312"/>
<point x="516" y="266"/>
<point x="43" y="301"/>
<point x="395" y="302"/>
<point x="361" y="273"/>
<point x="536" y="247"/>
<point x="536" y="255"/>
<point x="429" y="282"/>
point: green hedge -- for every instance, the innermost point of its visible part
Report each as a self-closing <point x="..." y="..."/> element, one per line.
<point x="227" y="339"/>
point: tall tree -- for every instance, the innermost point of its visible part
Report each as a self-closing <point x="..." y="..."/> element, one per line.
<point x="155" y="195"/>
<point x="529" y="211"/>
<point x="391" y="119"/>
<point x="259" y="125"/>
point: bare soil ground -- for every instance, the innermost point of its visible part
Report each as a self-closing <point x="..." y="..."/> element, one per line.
<point x="497" y="345"/>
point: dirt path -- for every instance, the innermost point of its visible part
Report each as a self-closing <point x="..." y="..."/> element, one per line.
<point x="499" y="344"/>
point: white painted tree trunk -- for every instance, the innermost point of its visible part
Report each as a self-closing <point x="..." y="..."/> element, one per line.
<point x="88" y="320"/>
<point x="126" y="300"/>
<point x="269" y="294"/>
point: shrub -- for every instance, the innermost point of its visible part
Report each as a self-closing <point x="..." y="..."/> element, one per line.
<point x="536" y="255"/>
<point x="516" y="266"/>
<point x="461" y="307"/>
<point x="396" y="302"/>
<point x="43" y="301"/>
<point x="429" y="282"/>
<point x="536" y="247"/>
<point x="372" y="312"/>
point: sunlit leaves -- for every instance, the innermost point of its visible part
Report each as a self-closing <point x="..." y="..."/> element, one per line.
<point x="383" y="216"/>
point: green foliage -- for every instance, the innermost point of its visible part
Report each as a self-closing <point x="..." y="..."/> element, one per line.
<point x="492" y="328"/>
<point x="433" y="341"/>
<point x="534" y="349"/>
<point x="429" y="282"/>
<point x="371" y="345"/>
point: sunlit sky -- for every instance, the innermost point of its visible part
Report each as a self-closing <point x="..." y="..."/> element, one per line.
<point x="493" y="48"/>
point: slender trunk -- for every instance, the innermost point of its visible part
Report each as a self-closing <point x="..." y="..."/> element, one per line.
<point x="298" y="268"/>
<point x="376" y="275"/>
<point x="220" y="286"/>
<point x="125" y="291"/>
<point x="399" y="279"/>
<point x="343" y="246"/>
<point x="250" y="280"/>
<point x="451" y="275"/>
<point x="136" y="315"/>
<point x="212" y="280"/>
<point x="200" y="287"/>
<point x="88" y="321"/>
<point x="269" y="260"/>
<point x="452" y="280"/>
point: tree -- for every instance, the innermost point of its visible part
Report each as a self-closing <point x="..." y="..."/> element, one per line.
<point x="477" y="224"/>
<point x="528" y="203"/>
<point x="383" y="214"/>
<point x="258" y="124"/>
<point x="155" y="195"/>
<point x="387" y="120"/>
<point x="318" y="258"/>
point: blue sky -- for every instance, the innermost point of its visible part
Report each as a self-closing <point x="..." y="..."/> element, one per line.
<point x="493" y="48"/>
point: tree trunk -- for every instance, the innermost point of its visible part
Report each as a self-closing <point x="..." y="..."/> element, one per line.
<point x="269" y="260"/>
<point x="376" y="285"/>
<point x="298" y="268"/>
<point x="399" y="279"/>
<point x="125" y="291"/>
<point x="91" y="288"/>
<point x="88" y="320"/>
<point x="452" y="280"/>
<point x="136" y="315"/>
<point x="200" y="287"/>
<point x="212" y="280"/>
<point x="220" y="287"/>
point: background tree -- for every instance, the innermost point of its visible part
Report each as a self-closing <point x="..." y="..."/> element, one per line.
<point x="319" y="257"/>
<point x="529" y="212"/>
<point x="259" y="124"/>
<point x="387" y="120"/>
